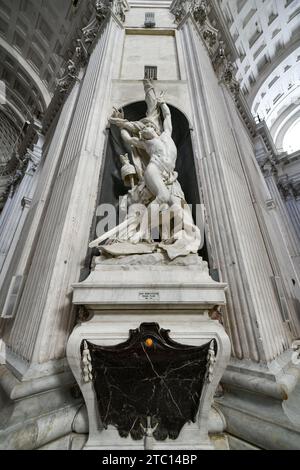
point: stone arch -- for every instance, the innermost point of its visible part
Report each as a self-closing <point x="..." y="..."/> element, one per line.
<point x="111" y="185"/>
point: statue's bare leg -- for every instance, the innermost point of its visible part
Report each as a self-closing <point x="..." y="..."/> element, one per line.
<point x="156" y="185"/>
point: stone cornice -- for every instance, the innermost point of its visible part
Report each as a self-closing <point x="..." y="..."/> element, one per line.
<point x="210" y="24"/>
<point x="287" y="158"/>
<point x="84" y="45"/>
<point x="289" y="186"/>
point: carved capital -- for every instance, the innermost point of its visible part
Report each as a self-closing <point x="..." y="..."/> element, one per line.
<point x="268" y="168"/>
<point x="286" y="188"/>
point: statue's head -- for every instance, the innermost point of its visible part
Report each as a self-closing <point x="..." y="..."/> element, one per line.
<point x="148" y="133"/>
<point x="150" y="129"/>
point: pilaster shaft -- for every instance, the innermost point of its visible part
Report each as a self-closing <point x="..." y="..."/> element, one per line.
<point x="253" y="315"/>
<point x="44" y="315"/>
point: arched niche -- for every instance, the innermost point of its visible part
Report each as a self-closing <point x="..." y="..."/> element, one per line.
<point x="111" y="185"/>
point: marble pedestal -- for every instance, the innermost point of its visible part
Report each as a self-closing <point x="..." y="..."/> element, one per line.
<point x="120" y="295"/>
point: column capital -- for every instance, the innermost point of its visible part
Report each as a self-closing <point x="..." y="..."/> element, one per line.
<point x="83" y="47"/>
<point x="286" y="187"/>
<point x="209" y="26"/>
<point x="268" y="167"/>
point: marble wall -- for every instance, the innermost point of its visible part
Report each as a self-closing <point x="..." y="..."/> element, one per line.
<point x="51" y="250"/>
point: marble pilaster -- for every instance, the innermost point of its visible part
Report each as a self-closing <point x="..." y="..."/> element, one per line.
<point x="44" y="315"/>
<point x="238" y="243"/>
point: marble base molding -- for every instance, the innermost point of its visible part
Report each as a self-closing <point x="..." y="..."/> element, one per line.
<point x="261" y="403"/>
<point x="121" y="298"/>
<point x="37" y="411"/>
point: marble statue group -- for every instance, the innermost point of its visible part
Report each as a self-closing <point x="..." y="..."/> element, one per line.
<point x="155" y="199"/>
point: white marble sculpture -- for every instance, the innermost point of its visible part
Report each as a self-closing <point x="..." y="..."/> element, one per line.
<point x="154" y="187"/>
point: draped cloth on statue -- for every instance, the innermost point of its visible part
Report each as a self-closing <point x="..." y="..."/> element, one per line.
<point x="157" y="202"/>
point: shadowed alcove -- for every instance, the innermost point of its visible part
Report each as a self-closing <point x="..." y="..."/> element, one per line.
<point x="112" y="186"/>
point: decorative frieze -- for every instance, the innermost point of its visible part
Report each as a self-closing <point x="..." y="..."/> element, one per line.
<point x="81" y="53"/>
<point x="179" y="12"/>
<point x="68" y="79"/>
<point x="102" y="9"/>
<point x="84" y="45"/>
<point x="225" y="69"/>
<point x="212" y="37"/>
<point x="119" y="9"/>
<point x="200" y="11"/>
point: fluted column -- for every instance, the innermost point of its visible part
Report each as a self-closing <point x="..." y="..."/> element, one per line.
<point x="293" y="209"/>
<point x="291" y="237"/>
<point x="22" y="255"/>
<point x="253" y="318"/>
<point x="6" y="209"/>
<point x="16" y="214"/>
<point x="44" y="316"/>
<point x="282" y="255"/>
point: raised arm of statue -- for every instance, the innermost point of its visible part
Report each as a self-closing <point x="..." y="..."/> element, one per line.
<point x="131" y="140"/>
<point x="117" y="118"/>
<point x="122" y="123"/>
<point x="167" y="118"/>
